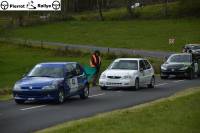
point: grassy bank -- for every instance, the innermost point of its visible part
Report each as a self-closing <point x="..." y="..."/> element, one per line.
<point x="137" y="34"/>
<point x="177" y="114"/>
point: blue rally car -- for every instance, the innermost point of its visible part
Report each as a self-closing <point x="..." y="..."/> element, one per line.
<point x="52" y="82"/>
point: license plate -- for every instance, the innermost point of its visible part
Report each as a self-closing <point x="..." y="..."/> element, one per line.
<point x="172" y="70"/>
<point x="31" y="99"/>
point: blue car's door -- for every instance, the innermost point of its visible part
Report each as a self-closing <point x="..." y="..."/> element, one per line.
<point x="80" y="75"/>
<point x="71" y="79"/>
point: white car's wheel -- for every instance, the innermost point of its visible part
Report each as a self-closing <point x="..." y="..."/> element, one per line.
<point x="137" y="84"/>
<point x="152" y="83"/>
<point x="103" y="87"/>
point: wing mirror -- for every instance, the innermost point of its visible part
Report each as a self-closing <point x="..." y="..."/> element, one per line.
<point x="166" y="58"/>
<point x="141" y="69"/>
<point x="24" y="75"/>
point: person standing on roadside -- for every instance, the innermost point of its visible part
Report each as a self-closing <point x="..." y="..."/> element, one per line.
<point x="95" y="62"/>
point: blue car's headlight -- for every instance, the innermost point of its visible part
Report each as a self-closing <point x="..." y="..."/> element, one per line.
<point x="53" y="86"/>
<point x="17" y="87"/>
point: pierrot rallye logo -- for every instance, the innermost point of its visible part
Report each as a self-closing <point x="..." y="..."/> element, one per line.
<point x="4" y="5"/>
<point x="30" y="5"/>
<point x="56" y="5"/>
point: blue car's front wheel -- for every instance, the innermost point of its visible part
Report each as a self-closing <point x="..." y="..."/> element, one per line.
<point x="61" y="97"/>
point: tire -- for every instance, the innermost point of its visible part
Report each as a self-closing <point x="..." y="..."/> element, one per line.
<point x="61" y="97"/>
<point x="152" y="83"/>
<point x="137" y="84"/>
<point x="19" y="101"/>
<point x="164" y="77"/>
<point x="191" y="75"/>
<point x="103" y="88"/>
<point x="85" y="92"/>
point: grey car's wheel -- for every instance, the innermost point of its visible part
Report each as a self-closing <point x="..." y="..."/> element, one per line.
<point x="61" y="97"/>
<point x="191" y="75"/>
<point x="164" y="77"/>
<point x="137" y="84"/>
<point x="85" y="92"/>
<point x="152" y="83"/>
<point x="19" y="101"/>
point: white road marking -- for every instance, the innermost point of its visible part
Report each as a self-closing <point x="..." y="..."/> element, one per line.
<point x="97" y="95"/>
<point x="34" y="107"/>
<point x="178" y="81"/>
<point x="161" y="84"/>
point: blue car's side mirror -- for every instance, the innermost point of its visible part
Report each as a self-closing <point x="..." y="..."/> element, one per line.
<point x="24" y="75"/>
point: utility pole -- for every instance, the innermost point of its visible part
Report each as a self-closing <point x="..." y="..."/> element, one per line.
<point x="166" y="8"/>
<point x="99" y="6"/>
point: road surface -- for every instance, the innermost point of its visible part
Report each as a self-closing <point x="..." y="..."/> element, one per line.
<point x="91" y="48"/>
<point x="35" y="116"/>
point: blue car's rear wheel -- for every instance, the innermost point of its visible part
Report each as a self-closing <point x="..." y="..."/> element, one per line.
<point x="19" y="101"/>
<point x="85" y="92"/>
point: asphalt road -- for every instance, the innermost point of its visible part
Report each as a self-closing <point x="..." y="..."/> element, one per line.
<point x="35" y="116"/>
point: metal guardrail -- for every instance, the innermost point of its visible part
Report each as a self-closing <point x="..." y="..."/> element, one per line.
<point x="90" y="48"/>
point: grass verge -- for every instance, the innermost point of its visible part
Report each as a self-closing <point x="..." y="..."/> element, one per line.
<point x="5" y="97"/>
<point x="176" y="114"/>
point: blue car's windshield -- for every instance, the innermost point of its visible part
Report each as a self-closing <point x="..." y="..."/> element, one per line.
<point x="53" y="71"/>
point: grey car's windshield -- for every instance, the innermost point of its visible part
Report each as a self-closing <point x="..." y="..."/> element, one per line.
<point x="125" y="64"/>
<point x="195" y="47"/>
<point x="180" y="58"/>
<point x="53" y="71"/>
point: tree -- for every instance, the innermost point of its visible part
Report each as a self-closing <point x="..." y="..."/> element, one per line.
<point x="166" y="7"/>
<point x="128" y="6"/>
<point x="189" y="7"/>
<point x="99" y="6"/>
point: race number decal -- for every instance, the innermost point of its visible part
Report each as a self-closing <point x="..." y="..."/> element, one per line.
<point x="74" y="84"/>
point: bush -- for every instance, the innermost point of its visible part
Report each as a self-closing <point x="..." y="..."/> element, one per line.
<point x="189" y="7"/>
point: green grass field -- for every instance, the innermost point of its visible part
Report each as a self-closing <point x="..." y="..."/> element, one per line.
<point x="177" y="114"/>
<point x="138" y="34"/>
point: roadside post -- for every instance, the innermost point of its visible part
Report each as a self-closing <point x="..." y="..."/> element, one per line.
<point x="172" y="41"/>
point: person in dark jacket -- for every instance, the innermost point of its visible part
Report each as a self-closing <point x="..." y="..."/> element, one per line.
<point x="95" y="62"/>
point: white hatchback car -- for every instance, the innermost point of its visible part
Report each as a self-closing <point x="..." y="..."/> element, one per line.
<point x="128" y="72"/>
